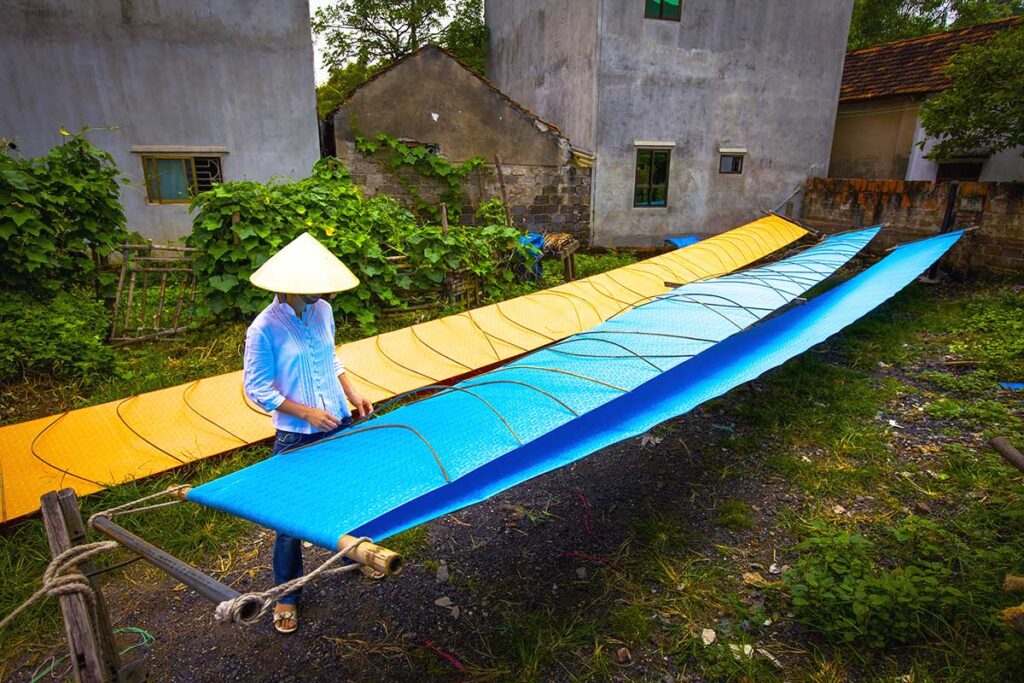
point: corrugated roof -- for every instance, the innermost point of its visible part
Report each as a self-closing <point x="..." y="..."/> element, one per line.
<point x="915" y="66"/>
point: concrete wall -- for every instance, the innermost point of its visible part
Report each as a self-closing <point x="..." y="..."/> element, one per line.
<point x="236" y="74"/>
<point x="540" y="198"/>
<point x="431" y="98"/>
<point x="759" y="74"/>
<point x="883" y="140"/>
<point x="875" y="139"/>
<point x="913" y="210"/>
<point x="544" y="54"/>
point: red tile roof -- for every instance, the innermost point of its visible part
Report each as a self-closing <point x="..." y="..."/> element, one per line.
<point x="914" y="66"/>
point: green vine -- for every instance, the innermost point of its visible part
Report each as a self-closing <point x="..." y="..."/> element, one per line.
<point x="239" y="225"/>
<point x="60" y="217"/>
<point x="449" y="176"/>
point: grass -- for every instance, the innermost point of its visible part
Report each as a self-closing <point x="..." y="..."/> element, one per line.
<point x="196" y="534"/>
<point x="819" y="428"/>
<point x="735" y="515"/>
<point x="822" y="423"/>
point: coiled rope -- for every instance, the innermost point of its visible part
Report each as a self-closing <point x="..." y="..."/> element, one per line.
<point x="231" y="611"/>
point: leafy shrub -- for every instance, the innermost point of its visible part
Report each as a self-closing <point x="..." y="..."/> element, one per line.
<point x="60" y="216"/>
<point x="242" y="224"/>
<point x="880" y="593"/>
<point x="61" y="336"/>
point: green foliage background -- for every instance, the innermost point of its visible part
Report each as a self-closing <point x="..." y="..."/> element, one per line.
<point x="882" y="21"/>
<point x="984" y="108"/>
<point x="239" y="225"/>
<point x="62" y="337"/>
<point x="60" y="216"/>
<point x="364" y="36"/>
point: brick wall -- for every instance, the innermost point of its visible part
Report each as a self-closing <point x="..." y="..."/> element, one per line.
<point x="540" y="198"/>
<point x="913" y="210"/>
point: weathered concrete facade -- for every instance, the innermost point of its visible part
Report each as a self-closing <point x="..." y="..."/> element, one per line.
<point x="874" y="139"/>
<point x="757" y="76"/>
<point x="228" y="78"/>
<point x="913" y="210"/>
<point x="431" y="99"/>
<point x="883" y="139"/>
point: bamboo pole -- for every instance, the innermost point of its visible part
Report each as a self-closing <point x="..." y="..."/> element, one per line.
<point x="504" y="194"/>
<point x="1006" y="449"/>
<point x="366" y="553"/>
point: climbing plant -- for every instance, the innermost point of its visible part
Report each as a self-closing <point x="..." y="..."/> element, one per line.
<point x="450" y="177"/>
<point x="60" y="216"/>
<point x="239" y="225"/>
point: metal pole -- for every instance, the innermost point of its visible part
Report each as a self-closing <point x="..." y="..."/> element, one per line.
<point x="207" y="586"/>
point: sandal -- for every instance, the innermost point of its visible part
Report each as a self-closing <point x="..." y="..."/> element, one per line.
<point x="291" y="615"/>
<point x="371" y="573"/>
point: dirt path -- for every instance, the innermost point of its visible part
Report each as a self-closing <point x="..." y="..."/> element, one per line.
<point x="525" y="549"/>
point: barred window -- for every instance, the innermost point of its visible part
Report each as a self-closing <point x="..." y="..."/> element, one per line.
<point x="176" y="179"/>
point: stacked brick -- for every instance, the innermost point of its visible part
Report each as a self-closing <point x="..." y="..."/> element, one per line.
<point x="540" y="198"/>
<point x="915" y="209"/>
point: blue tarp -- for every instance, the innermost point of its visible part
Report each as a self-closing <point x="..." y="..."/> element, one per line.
<point x="564" y="402"/>
<point x="680" y="242"/>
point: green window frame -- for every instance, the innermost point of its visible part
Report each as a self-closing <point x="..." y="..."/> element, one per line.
<point x="669" y="10"/>
<point x="176" y="179"/>
<point x="650" y="189"/>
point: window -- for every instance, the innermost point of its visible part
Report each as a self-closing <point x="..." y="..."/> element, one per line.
<point x="651" y="177"/>
<point x="730" y="163"/>
<point x="176" y="179"/>
<point x="662" y="9"/>
<point x="958" y="170"/>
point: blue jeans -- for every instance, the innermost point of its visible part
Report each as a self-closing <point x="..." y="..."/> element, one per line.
<point x="288" y="549"/>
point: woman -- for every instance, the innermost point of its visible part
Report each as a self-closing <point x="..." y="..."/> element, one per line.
<point x="293" y="372"/>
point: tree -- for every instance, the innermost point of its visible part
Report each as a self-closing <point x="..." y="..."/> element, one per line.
<point x="882" y="21"/>
<point x="364" y="36"/>
<point x="377" y="31"/>
<point x="339" y="84"/>
<point x="984" y="108"/>
<point x="466" y="36"/>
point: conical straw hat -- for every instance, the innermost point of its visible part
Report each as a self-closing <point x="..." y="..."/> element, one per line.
<point x="304" y="266"/>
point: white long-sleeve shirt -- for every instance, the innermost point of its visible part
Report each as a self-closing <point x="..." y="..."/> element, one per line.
<point x="289" y="357"/>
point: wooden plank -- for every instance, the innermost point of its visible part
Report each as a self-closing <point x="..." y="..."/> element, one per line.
<point x="84" y="650"/>
<point x="104" y="629"/>
<point x="504" y="194"/>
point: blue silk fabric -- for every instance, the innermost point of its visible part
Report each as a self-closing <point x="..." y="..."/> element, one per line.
<point x="651" y="363"/>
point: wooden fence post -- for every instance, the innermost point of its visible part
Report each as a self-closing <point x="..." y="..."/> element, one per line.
<point x="104" y="629"/>
<point x="87" y="665"/>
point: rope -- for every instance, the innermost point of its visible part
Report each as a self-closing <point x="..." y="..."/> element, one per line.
<point x="63" y="578"/>
<point x="130" y="507"/>
<point x="230" y="611"/>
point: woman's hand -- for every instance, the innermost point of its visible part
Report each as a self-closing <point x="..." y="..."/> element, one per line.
<point x="320" y="419"/>
<point x="362" y="404"/>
